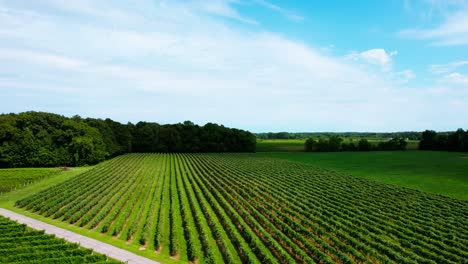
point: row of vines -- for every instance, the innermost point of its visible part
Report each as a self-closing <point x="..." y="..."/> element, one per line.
<point x="239" y="208"/>
<point x="11" y="179"/>
<point x="21" y="244"/>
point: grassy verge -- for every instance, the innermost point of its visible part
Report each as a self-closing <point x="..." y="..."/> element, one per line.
<point x="443" y="173"/>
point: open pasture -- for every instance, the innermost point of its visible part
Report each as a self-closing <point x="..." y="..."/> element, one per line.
<point x="234" y="208"/>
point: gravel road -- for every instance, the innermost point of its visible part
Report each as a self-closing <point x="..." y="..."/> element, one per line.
<point x="86" y="242"/>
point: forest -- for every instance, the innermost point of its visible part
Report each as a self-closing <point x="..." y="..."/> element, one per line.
<point x="39" y="139"/>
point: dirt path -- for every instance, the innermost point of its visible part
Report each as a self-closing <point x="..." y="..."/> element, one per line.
<point x="86" y="242"/>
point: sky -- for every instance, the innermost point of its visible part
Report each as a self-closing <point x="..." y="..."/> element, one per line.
<point x="260" y="65"/>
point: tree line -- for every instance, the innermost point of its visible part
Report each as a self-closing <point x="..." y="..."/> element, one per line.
<point x="336" y="143"/>
<point x="452" y="141"/>
<point x="411" y="135"/>
<point x="39" y="139"/>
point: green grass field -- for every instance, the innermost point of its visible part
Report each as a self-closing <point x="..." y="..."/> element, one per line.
<point x="280" y="145"/>
<point x="297" y="145"/>
<point x="443" y="173"/>
<point x="11" y="179"/>
<point x="218" y="208"/>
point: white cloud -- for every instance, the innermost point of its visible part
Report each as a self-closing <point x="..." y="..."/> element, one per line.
<point x="403" y="77"/>
<point x="447" y="67"/>
<point x="456" y="78"/>
<point x="285" y="12"/>
<point x="377" y="57"/>
<point x="453" y="31"/>
<point x="175" y="62"/>
<point x="40" y="58"/>
<point x="221" y="8"/>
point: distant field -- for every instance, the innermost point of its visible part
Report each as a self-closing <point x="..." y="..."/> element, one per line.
<point x="11" y="179"/>
<point x="437" y="172"/>
<point x="21" y="244"/>
<point x="248" y="208"/>
<point x="297" y="145"/>
<point x="280" y="145"/>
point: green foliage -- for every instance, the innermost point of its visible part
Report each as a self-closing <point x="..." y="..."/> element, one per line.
<point x="16" y="178"/>
<point x="37" y="139"/>
<point x="21" y="244"/>
<point x="393" y="144"/>
<point x="188" y="137"/>
<point x="279" y="145"/>
<point x="430" y="171"/>
<point x="364" y="145"/>
<point x="245" y="208"/>
<point x="335" y="143"/>
<point x="348" y="144"/>
<point x="455" y="141"/>
<point x="412" y="135"/>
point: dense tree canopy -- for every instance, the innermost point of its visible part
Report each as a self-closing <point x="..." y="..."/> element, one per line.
<point x="38" y="139"/>
<point x="455" y="141"/>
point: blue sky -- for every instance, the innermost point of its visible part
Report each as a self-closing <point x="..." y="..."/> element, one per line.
<point x="260" y="65"/>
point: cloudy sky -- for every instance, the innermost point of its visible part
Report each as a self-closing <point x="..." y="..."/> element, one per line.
<point x="260" y="65"/>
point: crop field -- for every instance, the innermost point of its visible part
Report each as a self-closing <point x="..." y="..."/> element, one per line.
<point x="437" y="172"/>
<point x="21" y="244"/>
<point x="11" y="179"/>
<point x="242" y="208"/>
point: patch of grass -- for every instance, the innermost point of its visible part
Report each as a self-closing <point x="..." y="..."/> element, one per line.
<point x="280" y="145"/>
<point x="443" y="173"/>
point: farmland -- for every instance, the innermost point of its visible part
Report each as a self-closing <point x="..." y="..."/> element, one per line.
<point x="430" y="171"/>
<point x="297" y="145"/>
<point x="215" y="208"/>
<point x="21" y="244"/>
<point x="280" y="145"/>
<point x="11" y="179"/>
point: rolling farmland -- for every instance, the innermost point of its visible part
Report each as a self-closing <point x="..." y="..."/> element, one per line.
<point x="21" y="244"/>
<point x="244" y="208"/>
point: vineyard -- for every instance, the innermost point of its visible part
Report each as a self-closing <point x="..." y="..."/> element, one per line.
<point x="240" y="208"/>
<point x="11" y="179"/>
<point x="20" y="244"/>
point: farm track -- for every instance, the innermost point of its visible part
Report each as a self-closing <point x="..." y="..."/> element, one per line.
<point x="238" y="208"/>
<point x="97" y="246"/>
